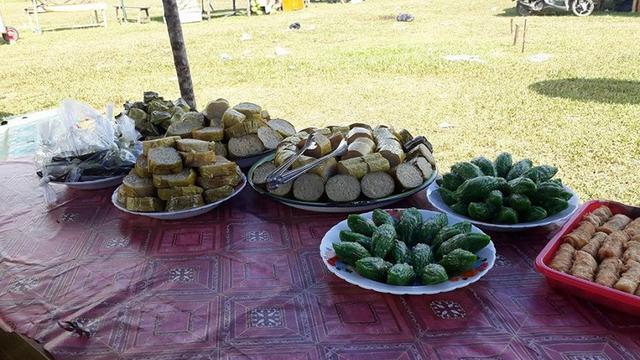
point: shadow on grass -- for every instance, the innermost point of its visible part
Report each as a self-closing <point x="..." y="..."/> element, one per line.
<point x="602" y="90"/>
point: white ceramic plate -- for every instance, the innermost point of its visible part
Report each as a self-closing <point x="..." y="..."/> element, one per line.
<point x="335" y="207"/>
<point x="93" y="184"/>
<point x="486" y="260"/>
<point x="434" y="198"/>
<point x="182" y="214"/>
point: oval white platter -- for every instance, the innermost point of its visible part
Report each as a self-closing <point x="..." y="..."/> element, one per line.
<point x="335" y="207"/>
<point x="181" y="214"/>
<point x="486" y="260"/>
<point x="93" y="184"/>
<point x="434" y="198"/>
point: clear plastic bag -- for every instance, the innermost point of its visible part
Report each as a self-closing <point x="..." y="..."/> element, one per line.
<point x="80" y="144"/>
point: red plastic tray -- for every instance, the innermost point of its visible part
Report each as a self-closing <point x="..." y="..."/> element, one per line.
<point x="591" y="291"/>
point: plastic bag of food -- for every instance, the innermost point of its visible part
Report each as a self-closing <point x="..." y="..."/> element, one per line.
<point x="80" y="144"/>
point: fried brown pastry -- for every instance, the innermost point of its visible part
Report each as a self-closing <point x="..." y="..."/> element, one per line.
<point x="609" y="271"/>
<point x="613" y="245"/>
<point x="632" y="251"/>
<point x="595" y="243"/>
<point x="633" y="228"/>
<point x="615" y="223"/>
<point x="602" y="214"/>
<point x="584" y="266"/>
<point x="630" y="279"/>
<point x="581" y="235"/>
<point x="563" y="259"/>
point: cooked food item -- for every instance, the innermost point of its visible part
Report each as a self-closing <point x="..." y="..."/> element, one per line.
<point x="211" y="133"/>
<point x="250" y="110"/>
<point x="633" y="229"/>
<point x="376" y="185"/>
<point x="369" y="152"/>
<point x="359" y="147"/>
<point x="269" y="137"/>
<point x="581" y="235"/>
<point x="190" y="121"/>
<point x="177" y="203"/>
<point x="354" y="167"/>
<point x="376" y="162"/>
<point x="422" y="151"/>
<point x="245" y="146"/>
<point x="358" y="132"/>
<point x="167" y="193"/>
<point x="609" y="271"/>
<point x="220" y="149"/>
<point x="136" y="186"/>
<point x="142" y="167"/>
<point x="595" y="243"/>
<point x="283" y="127"/>
<point x="144" y="204"/>
<point x="327" y="168"/>
<point x="603" y="213"/>
<point x="408" y="176"/>
<point x="613" y="245"/>
<point x="164" y="160"/>
<point x="247" y="127"/>
<point x="197" y="159"/>
<point x="391" y="149"/>
<point x="615" y="223"/>
<point x="282" y="190"/>
<point x="630" y="278"/>
<point x="529" y="193"/>
<point x="308" y="187"/>
<point x="423" y="165"/>
<point x="302" y="161"/>
<point x="221" y="167"/>
<point x="218" y="181"/>
<point x="584" y="266"/>
<point x="336" y="139"/>
<point x="632" y="251"/>
<point x="162" y="142"/>
<point x="341" y="188"/>
<point x="215" y="194"/>
<point x="322" y="147"/>
<point x="232" y="117"/>
<point x="215" y="109"/>
<point x="261" y="172"/>
<point x="153" y="115"/>
<point x="186" y="177"/>
<point x="188" y="145"/>
<point x="563" y="259"/>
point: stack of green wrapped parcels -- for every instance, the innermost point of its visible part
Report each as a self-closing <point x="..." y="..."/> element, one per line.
<point x="175" y="174"/>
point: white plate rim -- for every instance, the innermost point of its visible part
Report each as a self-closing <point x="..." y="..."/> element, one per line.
<point x="79" y="184"/>
<point x="406" y="290"/>
<point x="574" y="204"/>
<point x="169" y="214"/>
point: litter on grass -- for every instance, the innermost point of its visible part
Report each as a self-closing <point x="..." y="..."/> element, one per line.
<point x="225" y="57"/>
<point x="537" y="58"/>
<point x="469" y="58"/>
<point x="404" y="17"/>
<point x="295" y="26"/>
<point x="446" y="125"/>
<point x="246" y="37"/>
<point x="280" y="51"/>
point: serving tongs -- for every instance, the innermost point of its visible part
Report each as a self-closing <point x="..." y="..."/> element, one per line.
<point x="282" y="175"/>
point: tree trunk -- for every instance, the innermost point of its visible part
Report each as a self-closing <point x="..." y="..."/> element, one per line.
<point x="179" y="51"/>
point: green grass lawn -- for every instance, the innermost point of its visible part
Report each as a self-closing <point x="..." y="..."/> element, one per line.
<point x="580" y="110"/>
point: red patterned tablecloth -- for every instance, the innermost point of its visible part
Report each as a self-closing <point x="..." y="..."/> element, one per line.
<point x="246" y="282"/>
